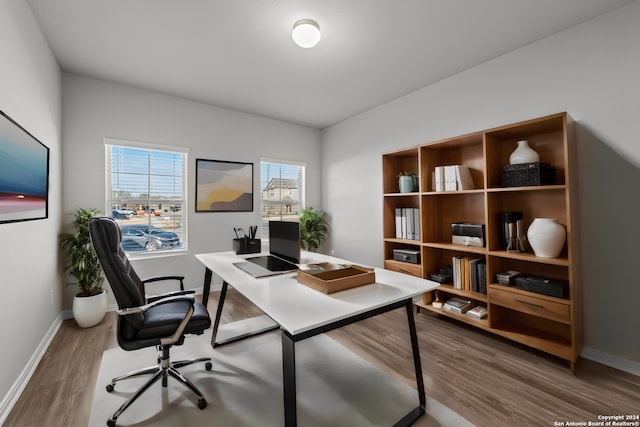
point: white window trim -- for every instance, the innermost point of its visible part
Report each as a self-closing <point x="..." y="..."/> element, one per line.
<point x="156" y="147"/>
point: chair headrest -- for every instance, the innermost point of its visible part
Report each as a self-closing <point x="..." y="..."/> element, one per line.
<point x="105" y="232"/>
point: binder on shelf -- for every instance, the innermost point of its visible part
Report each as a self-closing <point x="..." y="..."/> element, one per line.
<point x="407" y="223"/>
<point x="408" y="215"/>
<point x="453" y="178"/>
<point x="440" y="178"/>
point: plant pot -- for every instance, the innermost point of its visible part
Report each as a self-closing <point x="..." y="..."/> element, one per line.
<point x="89" y="311"/>
<point x="406" y="184"/>
<point x="546" y="237"/>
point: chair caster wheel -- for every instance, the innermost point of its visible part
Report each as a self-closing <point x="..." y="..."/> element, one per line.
<point x="111" y="423"/>
<point x="110" y="389"/>
<point x="202" y="403"/>
<point x="208" y="366"/>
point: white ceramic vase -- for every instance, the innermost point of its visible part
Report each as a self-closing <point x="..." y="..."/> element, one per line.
<point x="546" y="237"/>
<point x="523" y="154"/>
<point x="89" y="311"/>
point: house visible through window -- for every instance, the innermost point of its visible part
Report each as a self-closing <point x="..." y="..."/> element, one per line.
<point x="146" y="195"/>
<point x="282" y="185"/>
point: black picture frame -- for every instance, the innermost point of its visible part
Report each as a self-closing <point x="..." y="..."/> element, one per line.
<point x="224" y="186"/>
<point x="24" y="174"/>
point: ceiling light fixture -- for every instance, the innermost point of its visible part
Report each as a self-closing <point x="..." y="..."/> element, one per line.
<point x="306" y="33"/>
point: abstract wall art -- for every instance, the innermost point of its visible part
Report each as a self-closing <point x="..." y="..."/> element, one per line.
<point x="24" y="174"/>
<point x="223" y="186"/>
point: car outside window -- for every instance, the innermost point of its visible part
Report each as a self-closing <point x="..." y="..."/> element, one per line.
<point x="146" y="194"/>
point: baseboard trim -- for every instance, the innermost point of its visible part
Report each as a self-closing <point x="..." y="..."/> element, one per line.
<point x="12" y="396"/>
<point x="611" y="360"/>
<point x="23" y="379"/>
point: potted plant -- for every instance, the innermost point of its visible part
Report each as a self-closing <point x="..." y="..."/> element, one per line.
<point x="405" y="182"/>
<point x="313" y="228"/>
<point x="90" y="304"/>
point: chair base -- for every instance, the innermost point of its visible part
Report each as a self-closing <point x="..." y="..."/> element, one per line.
<point x="162" y="370"/>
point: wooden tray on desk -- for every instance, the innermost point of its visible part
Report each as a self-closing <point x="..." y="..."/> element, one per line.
<point x="327" y="278"/>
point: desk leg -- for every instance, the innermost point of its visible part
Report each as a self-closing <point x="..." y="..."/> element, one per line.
<point x="416" y="355"/>
<point x="289" y="380"/>
<point x="206" y="287"/>
<point x="216" y="322"/>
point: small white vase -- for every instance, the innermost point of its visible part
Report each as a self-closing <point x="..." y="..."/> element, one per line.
<point x="89" y="311"/>
<point x="523" y="154"/>
<point x="546" y="237"/>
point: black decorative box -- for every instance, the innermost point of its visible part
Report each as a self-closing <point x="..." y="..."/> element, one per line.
<point x="542" y="285"/>
<point x="526" y="174"/>
<point x="407" y="255"/>
<point x="246" y="245"/>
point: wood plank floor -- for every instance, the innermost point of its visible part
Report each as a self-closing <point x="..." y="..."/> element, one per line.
<point x="490" y="381"/>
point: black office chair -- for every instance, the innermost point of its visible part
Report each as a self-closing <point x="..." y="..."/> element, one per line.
<point x="161" y="321"/>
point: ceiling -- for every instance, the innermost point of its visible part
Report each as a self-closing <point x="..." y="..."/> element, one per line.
<point x="238" y="54"/>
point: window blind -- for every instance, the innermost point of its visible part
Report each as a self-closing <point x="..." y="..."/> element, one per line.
<point x="146" y="195"/>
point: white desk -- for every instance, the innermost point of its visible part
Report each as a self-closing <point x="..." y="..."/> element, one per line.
<point x="301" y="312"/>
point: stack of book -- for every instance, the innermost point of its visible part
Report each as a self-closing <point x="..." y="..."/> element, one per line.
<point x="458" y="305"/>
<point x="478" y="312"/>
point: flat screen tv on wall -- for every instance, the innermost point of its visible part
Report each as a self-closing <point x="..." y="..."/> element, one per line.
<point x="24" y="174"/>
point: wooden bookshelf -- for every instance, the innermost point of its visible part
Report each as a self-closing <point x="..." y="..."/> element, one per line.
<point x="553" y="325"/>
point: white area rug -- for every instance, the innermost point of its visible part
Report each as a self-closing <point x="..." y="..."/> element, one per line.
<point x="335" y="387"/>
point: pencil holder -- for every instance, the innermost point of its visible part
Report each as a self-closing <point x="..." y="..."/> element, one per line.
<point x="246" y="245"/>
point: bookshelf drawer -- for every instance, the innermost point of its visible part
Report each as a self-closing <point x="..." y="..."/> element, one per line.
<point x="531" y="305"/>
<point x="403" y="267"/>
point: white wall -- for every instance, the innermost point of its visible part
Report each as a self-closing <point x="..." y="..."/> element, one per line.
<point x="592" y="72"/>
<point x="94" y="109"/>
<point x="30" y="94"/>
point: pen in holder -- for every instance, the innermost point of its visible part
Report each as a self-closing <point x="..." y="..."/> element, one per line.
<point x="245" y="245"/>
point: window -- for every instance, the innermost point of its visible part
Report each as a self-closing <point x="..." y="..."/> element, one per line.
<point x="282" y="195"/>
<point x="146" y="195"/>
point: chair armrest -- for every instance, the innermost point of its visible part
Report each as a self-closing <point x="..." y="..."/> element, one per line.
<point x="161" y="278"/>
<point x="143" y="308"/>
<point x="152" y="298"/>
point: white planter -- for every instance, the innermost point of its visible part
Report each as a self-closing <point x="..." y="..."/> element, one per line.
<point x="523" y="154"/>
<point x="546" y="237"/>
<point x="89" y="311"/>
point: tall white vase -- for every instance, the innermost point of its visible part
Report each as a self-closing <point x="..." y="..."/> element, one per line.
<point x="523" y="154"/>
<point x="546" y="237"/>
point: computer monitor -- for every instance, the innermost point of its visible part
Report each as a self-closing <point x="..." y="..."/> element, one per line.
<point x="284" y="240"/>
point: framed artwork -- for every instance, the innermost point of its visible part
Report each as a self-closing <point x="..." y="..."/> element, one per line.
<point x="223" y="186"/>
<point x="24" y="174"/>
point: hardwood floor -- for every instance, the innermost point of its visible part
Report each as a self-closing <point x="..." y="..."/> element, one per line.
<point x="488" y="380"/>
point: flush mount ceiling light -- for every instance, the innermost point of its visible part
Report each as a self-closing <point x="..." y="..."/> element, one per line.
<point x="306" y="33"/>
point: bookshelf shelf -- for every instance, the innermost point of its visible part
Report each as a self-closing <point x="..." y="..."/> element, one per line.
<point x="547" y="323"/>
<point x="480" y="323"/>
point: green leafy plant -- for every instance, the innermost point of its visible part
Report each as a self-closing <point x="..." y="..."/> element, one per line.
<point x="81" y="260"/>
<point x="313" y="228"/>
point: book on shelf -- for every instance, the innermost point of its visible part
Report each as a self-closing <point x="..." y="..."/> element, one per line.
<point x="463" y="178"/>
<point x="453" y="178"/>
<point x="407" y="223"/>
<point x="469" y="273"/>
<point x="458" y="305"/>
<point x="478" y="312"/>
